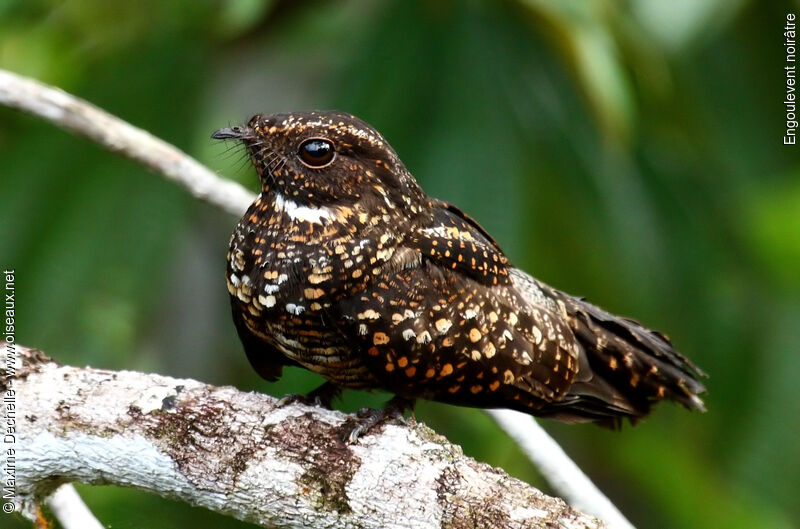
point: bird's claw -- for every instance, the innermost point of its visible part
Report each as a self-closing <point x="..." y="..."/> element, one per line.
<point x="368" y="418"/>
<point x="320" y="397"/>
<point x="297" y="398"/>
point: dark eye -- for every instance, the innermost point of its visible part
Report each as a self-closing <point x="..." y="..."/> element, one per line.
<point x="316" y="152"/>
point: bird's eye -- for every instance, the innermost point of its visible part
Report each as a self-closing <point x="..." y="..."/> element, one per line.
<point x="316" y="152"/>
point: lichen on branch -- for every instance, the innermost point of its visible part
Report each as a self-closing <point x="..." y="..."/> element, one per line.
<point x="243" y="455"/>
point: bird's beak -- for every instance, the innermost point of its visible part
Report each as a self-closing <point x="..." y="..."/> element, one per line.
<point x="229" y="133"/>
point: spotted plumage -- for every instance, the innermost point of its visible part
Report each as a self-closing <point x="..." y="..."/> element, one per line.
<point x="344" y="266"/>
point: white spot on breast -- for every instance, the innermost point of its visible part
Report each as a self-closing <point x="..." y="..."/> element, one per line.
<point x="237" y="260"/>
<point x="409" y="334"/>
<point x="271" y="289"/>
<point x="319" y="262"/>
<point x="294" y="309"/>
<point x="315" y="215"/>
<point x="268" y="301"/>
<point x="368" y="314"/>
<point x="235" y="280"/>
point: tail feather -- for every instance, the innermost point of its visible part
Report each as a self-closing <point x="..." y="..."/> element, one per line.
<point x="630" y="366"/>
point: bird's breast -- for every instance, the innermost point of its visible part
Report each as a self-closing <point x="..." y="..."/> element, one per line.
<point x="287" y="273"/>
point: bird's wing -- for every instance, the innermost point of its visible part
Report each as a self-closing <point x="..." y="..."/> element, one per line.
<point x="443" y="321"/>
<point x="455" y="241"/>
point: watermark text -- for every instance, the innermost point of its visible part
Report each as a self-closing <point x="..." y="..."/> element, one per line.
<point x="8" y="456"/>
<point x="790" y="43"/>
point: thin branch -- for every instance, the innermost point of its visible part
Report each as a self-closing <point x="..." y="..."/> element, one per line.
<point x="69" y="509"/>
<point x="78" y="116"/>
<point x="242" y="455"/>
<point x="552" y="461"/>
<point x="84" y="119"/>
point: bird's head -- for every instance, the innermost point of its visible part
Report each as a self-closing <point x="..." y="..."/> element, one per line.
<point x="324" y="159"/>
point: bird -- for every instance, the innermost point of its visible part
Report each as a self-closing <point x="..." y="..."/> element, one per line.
<point x="344" y="266"/>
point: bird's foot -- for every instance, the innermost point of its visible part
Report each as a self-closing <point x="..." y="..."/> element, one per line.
<point x="321" y="397"/>
<point x="367" y="418"/>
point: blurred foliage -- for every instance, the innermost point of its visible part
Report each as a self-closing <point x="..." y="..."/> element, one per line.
<point x="627" y="151"/>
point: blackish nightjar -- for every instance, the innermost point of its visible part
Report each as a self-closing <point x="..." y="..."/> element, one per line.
<point x="344" y="266"/>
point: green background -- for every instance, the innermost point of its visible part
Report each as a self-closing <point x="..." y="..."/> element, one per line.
<point x="630" y="152"/>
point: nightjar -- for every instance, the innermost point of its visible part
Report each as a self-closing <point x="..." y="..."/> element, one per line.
<point x="344" y="266"/>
